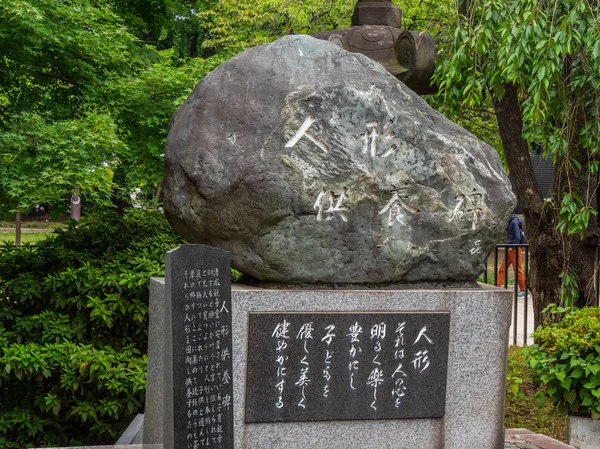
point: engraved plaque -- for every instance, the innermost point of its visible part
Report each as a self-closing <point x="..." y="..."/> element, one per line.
<point x="199" y="283"/>
<point x="343" y="366"/>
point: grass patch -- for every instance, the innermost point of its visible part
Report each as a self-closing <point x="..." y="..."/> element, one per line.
<point x="523" y="408"/>
<point x="26" y="237"/>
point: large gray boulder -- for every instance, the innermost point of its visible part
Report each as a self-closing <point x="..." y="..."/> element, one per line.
<point x="313" y="165"/>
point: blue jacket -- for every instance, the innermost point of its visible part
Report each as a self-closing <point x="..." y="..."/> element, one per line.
<point x="513" y="231"/>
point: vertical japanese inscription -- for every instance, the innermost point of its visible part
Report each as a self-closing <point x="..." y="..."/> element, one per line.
<point x="199" y="281"/>
<point x="336" y="366"/>
<point x="378" y="331"/>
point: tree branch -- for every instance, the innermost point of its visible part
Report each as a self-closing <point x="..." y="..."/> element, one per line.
<point x="60" y="78"/>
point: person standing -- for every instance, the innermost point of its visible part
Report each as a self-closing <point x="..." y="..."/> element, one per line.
<point x="514" y="236"/>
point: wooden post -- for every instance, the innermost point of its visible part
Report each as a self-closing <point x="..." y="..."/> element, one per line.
<point x="18" y="217"/>
<point x="76" y="204"/>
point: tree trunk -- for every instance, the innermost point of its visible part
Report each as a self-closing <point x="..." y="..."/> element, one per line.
<point x="583" y="266"/>
<point x="551" y="252"/>
<point x="544" y="242"/>
<point x="157" y="192"/>
<point x="18" y="218"/>
<point x="546" y="264"/>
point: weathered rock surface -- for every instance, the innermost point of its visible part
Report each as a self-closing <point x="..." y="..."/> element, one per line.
<point x="314" y="165"/>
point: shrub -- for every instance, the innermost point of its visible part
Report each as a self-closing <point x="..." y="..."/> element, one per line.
<point x="523" y="409"/>
<point x="73" y="329"/>
<point x="567" y="360"/>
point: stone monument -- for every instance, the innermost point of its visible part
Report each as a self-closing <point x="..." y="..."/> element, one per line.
<point x="189" y="385"/>
<point x="313" y="165"/>
<point x="365" y="380"/>
<point x="368" y="215"/>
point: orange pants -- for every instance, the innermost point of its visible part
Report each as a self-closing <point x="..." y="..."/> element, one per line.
<point x="511" y="261"/>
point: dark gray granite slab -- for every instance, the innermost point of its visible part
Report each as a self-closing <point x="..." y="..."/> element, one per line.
<point x="198" y="293"/>
<point x="344" y="366"/>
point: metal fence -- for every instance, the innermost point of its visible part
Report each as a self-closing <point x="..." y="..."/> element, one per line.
<point x="519" y="259"/>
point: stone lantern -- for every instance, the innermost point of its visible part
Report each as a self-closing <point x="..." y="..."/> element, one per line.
<point x="377" y="32"/>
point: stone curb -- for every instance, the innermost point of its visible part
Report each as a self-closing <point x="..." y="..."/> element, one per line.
<point x="514" y="439"/>
<point x="526" y="439"/>
<point x="125" y="446"/>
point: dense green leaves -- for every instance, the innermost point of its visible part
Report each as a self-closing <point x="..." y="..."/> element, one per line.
<point x="40" y="161"/>
<point x="234" y="25"/>
<point x="567" y="360"/>
<point x="548" y="50"/>
<point x="54" y="132"/>
<point x="83" y="102"/>
<point x="55" y="52"/>
<point x="73" y="330"/>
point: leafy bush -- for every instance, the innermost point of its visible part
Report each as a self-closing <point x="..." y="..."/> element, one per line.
<point x="567" y="360"/>
<point x="73" y="329"/>
<point x="523" y="408"/>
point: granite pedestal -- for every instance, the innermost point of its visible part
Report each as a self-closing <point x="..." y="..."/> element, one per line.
<point x="584" y="432"/>
<point x="474" y="415"/>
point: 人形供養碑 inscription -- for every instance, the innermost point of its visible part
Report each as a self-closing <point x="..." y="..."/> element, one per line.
<point x="202" y="346"/>
<point x="341" y="366"/>
<point x="330" y="154"/>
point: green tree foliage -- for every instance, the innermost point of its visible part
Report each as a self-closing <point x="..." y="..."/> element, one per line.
<point x="83" y="102"/>
<point x="166" y="24"/>
<point x="56" y="54"/>
<point x="235" y="25"/>
<point x="537" y="63"/>
<point x="148" y="20"/>
<point x="142" y="106"/>
<point x="188" y="32"/>
<point x="40" y="161"/>
<point x="56" y="58"/>
<point x="73" y="330"/>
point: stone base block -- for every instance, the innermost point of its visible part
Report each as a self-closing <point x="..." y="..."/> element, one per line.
<point x="474" y="417"/>
<point x="584" y="433"/>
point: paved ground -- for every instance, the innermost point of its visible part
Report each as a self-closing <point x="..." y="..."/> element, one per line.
<point x="525" y="439"/>
<point x="521" y="321"/>
<point x="28" y="230"/>
<point x="515" y="439"/>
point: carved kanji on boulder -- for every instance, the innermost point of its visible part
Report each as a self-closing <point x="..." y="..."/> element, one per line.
<point x="311" y="164"/>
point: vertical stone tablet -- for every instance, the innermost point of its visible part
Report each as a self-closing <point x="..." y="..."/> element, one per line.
<point x="199" y="414"/>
